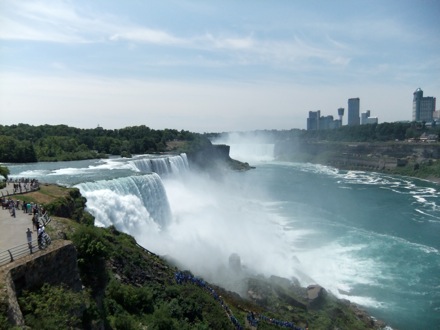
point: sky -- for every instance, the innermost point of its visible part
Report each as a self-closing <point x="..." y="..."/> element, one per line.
<point x="213" y="66"/>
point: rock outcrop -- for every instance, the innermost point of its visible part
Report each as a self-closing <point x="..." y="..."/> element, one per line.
<point x="315" y="296"/>
<point x="215" y="158"/>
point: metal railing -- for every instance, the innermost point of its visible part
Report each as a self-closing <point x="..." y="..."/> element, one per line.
<point x="18" y="251"/>
<point x="5" y="191"/>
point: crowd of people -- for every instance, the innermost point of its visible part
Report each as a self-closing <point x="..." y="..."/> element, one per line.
<point x="40" y="217"/>
<point x="23" y="185"/>
<point x="252" y="318"/>
<point x="36" y="210"/>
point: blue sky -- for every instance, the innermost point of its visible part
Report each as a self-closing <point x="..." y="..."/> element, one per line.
<point x="213" y="66"/>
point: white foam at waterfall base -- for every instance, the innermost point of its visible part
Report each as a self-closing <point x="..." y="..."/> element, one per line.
<point x="147" y="197"/>
<point x="212" y="220"/>
<point x="127" y="213"/>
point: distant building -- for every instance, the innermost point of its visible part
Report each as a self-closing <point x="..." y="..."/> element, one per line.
<point x="423" y="107"/>
<point x="328" y="122"/>
<point x="366" y="119"/>
<point x="318" y="122"/>
<point x="353" y="111"/>
<point x="313" y="120"/>
<point x="341" y="114"/>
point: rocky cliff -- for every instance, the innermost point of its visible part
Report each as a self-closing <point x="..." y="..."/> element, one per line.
<point x="215" y="157"/>
<point x="378" y="156"/>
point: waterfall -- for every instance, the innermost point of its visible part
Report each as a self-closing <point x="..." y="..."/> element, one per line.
<point x="161" y="165"/>
<point x="128" y="202"/>
<point x="179" y="164"/>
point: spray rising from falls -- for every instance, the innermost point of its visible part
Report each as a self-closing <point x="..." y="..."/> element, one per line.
<point x="195" y="221"/>
<point x="247" y="147"/>
<point x="254" y="153"/>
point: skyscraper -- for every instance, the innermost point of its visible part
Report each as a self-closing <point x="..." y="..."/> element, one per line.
<point x="423" y="107"/>
<point x="313" y="120"/>
<point x="353" y="111"/>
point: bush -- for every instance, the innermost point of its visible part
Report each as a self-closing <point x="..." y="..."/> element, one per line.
<point x="134" y="300"/>
<point x="53" y="307"/>
<point x="92" y="252"/>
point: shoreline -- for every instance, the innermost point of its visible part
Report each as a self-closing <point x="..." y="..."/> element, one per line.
<point x="431" y="179"/>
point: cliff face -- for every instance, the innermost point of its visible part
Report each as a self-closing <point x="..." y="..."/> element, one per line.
<point x="215" y="157"/>
<point x="368" y="156"/>
<point x="54" y="266"/>
<point x="209" y="155"/>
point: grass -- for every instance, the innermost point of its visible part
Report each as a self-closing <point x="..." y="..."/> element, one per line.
<point x="45" y="195"/>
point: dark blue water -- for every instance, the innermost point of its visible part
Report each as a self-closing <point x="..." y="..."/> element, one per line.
<point x="371" y="238"/>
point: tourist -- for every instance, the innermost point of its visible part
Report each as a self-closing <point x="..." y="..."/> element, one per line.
<point x="29" y="239"/>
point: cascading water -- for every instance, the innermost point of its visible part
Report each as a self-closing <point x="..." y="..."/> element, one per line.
<point x="129" y="202"/>
<point x="179" y="164"/>
<point x="160" y="165"/>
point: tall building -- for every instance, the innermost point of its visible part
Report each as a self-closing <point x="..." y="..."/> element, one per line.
<point x="313" y="120"/>
<point x="423" y="107"/>
<point x="353" y="112"/>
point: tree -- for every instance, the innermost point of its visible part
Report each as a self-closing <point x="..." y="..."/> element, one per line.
<point x="4" y="171"/>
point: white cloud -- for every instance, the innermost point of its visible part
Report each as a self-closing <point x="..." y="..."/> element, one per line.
<point x="245" y="43"/>
<point x="62" y="22"/>
<point x="147" y="35"/>
<point x="16" y="30"/>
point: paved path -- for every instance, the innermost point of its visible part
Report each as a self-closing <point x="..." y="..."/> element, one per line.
<point x="13" y="230"/>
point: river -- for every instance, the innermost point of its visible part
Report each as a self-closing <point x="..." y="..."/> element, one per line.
<point x="368" y="237"/>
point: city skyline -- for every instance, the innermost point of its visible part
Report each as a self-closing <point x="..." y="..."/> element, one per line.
<point x="423" y="110"/>
<point x="212" y="66"/>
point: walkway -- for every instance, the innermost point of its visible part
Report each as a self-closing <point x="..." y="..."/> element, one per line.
<point x="13" y="230"/>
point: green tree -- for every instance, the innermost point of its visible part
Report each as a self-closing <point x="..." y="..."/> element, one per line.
<point x="4" y="171"/>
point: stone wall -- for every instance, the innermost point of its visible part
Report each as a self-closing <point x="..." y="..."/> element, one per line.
<point x="56" y="265"/>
